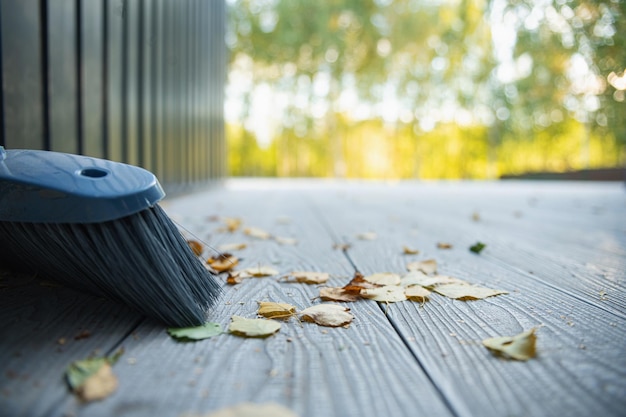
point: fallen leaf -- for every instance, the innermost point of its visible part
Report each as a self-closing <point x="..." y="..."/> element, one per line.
<point x="205" y="331"/>
<point x="337" y="294"/>
<point x="289" y="241"/>
<point x="444" y="245"/>
<point x="383" y="278"/>
<point x="520" y="347"/>
<point x="367" y="236"/>
<point x="241" y="326"/>
<point x="330" y="315"/>
<point x="310" y="277"/>
<point x="386" y="294"/>
<point x="249" y="410"/>
<point x="223" y="262"/>
<point x="257" y="233"/>
<point x="234" y="279"/>
<point x="476" y="216"/>
<point x="342" y="246"/>
<point x="93" y="379"/>
<point x="232" y="224"/>
<point x="228" y="247"/>
<point x="258" y="272"/>
<point x="196" y="247"/>
<point x="477" y="247"/>
<point x="428" y="266"/>
<point x="466" y="292"/>
<point x="427" y="281"/>
<point x="273" y="310"/>
<point x="409" y="251"/>
<point x="357" y="283"/>
<point x="417" y="293"/>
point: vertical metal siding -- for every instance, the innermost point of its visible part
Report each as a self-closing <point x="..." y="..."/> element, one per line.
<point x="137" y="81"/>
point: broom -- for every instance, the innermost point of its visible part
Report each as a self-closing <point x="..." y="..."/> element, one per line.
<point x="94" y="225"/>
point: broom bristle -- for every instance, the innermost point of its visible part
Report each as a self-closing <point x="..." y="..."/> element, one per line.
<point x="141" y="260"/>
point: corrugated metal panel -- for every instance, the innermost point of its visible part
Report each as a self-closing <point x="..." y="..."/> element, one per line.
<point x="138" y="81"/>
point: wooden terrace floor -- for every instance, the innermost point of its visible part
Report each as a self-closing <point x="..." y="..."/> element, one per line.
<point x="559" y="248"/>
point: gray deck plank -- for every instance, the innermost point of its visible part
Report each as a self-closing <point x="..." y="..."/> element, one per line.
<point x="365" y="370"/>
<point x="580" y="370"/>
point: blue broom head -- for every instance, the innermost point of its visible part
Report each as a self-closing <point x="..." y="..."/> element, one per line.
<point x="95" y="225"/>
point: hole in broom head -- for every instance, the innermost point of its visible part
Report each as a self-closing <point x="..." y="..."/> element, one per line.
<point x="94" y="173"/>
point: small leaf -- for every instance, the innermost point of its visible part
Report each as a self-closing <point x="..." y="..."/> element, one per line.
<point x="417" y="293"/>
<point x="241" y="326"/>
<point x="367" y="236"/>
<point x="259" y="271"/>
<point x="357" y="283"/>
<point x="383" y="278"/>
<point x="257" y="233"/>
<point x="466" y="292"/>
<point x="520" y="347"/>
<point x="409" y="251"/>
<point x="428" y="266"/>
<point x="477" y="247"/>
<point x="287" y="241"/>
<point x="205" y="331"/>
<point x="229" y="247"/>
<point x="232" y="223"/>
<point x="273" y="310"/>
<point x="330" y="315"/>
<point x="309" y="277"/>
<point x="386" y="294"/>
<point x="93" y="379"/>
<point x="223" y="262"/>
<point x="444" y="245"/>
<point x="196" y="247"/>
<point x="337" y="294"/>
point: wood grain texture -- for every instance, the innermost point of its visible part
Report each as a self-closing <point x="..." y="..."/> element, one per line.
<point x="561" y="259"/>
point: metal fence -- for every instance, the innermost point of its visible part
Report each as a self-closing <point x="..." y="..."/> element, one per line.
<point x="137" y="81"/>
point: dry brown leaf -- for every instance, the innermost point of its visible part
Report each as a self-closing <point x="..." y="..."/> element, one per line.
<point x="358" y="283"/>
<point x="383" y="278"/>
<point x="330" y="315"/>
<point x="98" y="386"/>
<point x="257" y="233"/>
<point x="342" y="246"/>
<point x="310" y="277"/>
<point x="466" y="292"/>
<point x="234" y="279"/>
<point x="409" y="251"/>
<point x="223" y="262"/>
<point x="272" y="310"/>
<point x="196" y="247"/>
<point x="417" y="293"/>
<point x="444" y="245"/>
<point x="232" y="224"/>
<point x="520" y="347"/>
<point x="249" y="410"/>
<point x="386" y="294"/>
<point x="337" y="294"/>
<point x="227" y="247"/>
<point x="428" y="266"/>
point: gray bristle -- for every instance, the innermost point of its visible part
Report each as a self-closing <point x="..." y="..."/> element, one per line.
<point x="140" y="260"/>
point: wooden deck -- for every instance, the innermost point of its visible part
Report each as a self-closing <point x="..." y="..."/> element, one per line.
<point x="558" y="248"/>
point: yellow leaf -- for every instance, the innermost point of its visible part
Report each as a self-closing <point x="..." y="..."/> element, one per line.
<point x="257" y="233"/>
<point x="520" y="347"/>
<point x="232" y="223"/>
<point x="273" y="310"/>
<point x="444" y="245"/>
<point x="258" y="271"/>
<point x="309" y="277"/>
<point x="330" y="315"/>
<point x="386" y="294"/>
<point x="196" y="247"/>
<point x="223" y="262"/>
<point x="428" y="266"/>
<point x="241" y="326"/>
<point x="466" y="292"/>
<point x="417" y="293"/>
<point x="383" y="278"/>
<point x="228" y="247"/>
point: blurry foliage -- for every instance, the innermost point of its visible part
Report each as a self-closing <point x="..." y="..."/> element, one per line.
<point x="463" y="107"/>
